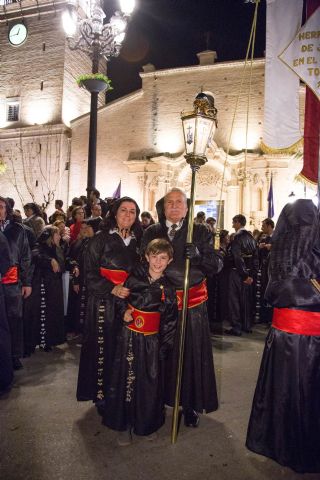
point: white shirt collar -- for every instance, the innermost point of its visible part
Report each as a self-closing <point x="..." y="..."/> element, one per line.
<point x="179" y="224"/>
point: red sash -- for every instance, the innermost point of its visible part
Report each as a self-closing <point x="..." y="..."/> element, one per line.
<point x="144" y="322"/>
<point x="196" y="295"/>
<point x="300" y="322"/>
<point x="114" y="276"/>
<point x="11" y="276"/>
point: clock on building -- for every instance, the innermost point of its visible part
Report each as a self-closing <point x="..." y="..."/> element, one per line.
<point x="18" y="34"/>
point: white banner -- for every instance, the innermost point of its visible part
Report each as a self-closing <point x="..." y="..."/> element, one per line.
<point x="302" y="56"/>
<point x="281" y="102"/>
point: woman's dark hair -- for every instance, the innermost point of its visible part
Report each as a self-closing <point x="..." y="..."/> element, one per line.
<point x="9" y="210"/>
<point x="56" y="214"/>
<point x="148" y="216"/>
<point x="34" y="207"/>
<point x="75" y="211"/>
<point x="110" y="222"/>
<point x="223" y="234"/>
<point x="46" y="235"/>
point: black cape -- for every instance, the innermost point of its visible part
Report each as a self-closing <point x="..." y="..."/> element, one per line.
<point x="198" y="390"/>
<point x="46" y="313"/>
<point x="100" y="328"/>
<point x="135" y="395"/>
<point x="285" y="417"/>
<point x="6" y="371"/>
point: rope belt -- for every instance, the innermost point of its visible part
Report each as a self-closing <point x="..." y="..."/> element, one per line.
<point x="114" y="276"/>
<point x="300" y="322"/>
<point x="146" y="323"/>
<point x="196" y="295"/>
<point x="11" y="276"/>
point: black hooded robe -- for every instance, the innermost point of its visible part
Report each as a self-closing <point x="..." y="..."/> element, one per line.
<point x="198" y="388"/>
<point x="106" y="250"/>
<point x="135" y="396"/>
<point x="285" y="417"/>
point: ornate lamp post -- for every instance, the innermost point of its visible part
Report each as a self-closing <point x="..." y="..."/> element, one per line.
<point x="198" y="127"/>
<point x="96" y="38"/>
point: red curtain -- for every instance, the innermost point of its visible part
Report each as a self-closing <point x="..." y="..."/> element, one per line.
<point x="311" y="122"/>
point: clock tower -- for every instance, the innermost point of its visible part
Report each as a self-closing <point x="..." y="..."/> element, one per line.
<point x="38" y="98"/>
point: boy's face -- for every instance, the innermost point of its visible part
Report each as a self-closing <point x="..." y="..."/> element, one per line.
<point x="158" y="262"/>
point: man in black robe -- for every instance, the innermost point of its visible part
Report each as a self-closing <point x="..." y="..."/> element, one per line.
<point x="198" y="389"/>
<point x="6" y="371"/>
<point x="264" y="246"/>
<point x="244" y="256"/>
<point x="17" y="282"/>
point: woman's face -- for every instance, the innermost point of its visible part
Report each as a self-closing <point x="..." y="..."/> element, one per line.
<point x="126" y="215"/>
<point x="56" y="239"/>
<point x="28" y="212"/>
<point x="61" y="227"/>
<point x="79" y="215"/>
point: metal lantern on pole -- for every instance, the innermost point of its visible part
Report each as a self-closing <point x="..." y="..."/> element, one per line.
<point x="98" y="39"/>
<point x="198" y="128"/>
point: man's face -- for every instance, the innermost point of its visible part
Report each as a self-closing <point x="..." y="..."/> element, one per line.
<point x="236" y="225"/>
<point x="175" y="207"/>
<point x="3" y="210"/>
<point x="96" y="210"/>
<point x="264" y="228"/>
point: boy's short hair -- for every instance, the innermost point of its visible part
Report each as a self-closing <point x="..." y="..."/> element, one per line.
<point x="159" y="245"/>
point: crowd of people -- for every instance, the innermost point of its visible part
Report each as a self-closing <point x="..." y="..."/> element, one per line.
<point x="112" y="278"/>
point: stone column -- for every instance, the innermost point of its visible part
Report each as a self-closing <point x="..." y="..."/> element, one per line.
<point x="231" y="205"/>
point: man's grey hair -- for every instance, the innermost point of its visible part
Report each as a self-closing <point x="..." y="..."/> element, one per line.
<point x="176" y="190"/>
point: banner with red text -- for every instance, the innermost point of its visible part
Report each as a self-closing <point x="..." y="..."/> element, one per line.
<point x="302" y="56"/>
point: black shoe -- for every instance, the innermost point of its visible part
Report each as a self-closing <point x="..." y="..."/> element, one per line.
<point x="234" y="332"/>
<point x="47" y="349"/>
<point x="17" y="365"/>
<point x="191" y="418"/>
<point x="247" y="330"/>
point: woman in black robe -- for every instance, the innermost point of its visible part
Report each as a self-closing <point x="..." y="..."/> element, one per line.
<point x="78" y="294"/>
<point x="47" y="316"/>
<point x="285" y="418"/>
<point x="109" y="258"/>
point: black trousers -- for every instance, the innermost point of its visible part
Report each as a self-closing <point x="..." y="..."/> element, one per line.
<point x="240" y="303"/>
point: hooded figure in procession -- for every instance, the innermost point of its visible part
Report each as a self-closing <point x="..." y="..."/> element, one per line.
<point x="198" y="390"/>
<point x="285" y="417"/>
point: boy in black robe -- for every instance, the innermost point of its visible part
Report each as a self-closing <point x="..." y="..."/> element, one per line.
<point x="134" y="401"/>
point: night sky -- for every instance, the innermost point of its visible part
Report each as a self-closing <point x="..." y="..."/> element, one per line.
<point x="169" y="33"/>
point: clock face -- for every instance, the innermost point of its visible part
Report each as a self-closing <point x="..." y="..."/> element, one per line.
<point x="18" y="34"/>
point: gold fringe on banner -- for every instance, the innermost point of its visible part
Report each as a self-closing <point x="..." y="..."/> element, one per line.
<point x="303" y="179"/>
<point x="287" y="150"/>
<point x="315" y="283"/>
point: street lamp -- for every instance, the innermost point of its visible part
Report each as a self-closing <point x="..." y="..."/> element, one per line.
<point x="96" y="38"/>
<point x="198" y="128"/>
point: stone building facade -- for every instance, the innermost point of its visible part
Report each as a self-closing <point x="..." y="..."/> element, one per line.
<point x="38" y="99"/>
<point x="140" y="139"/>
<point x="140" y="142"/>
